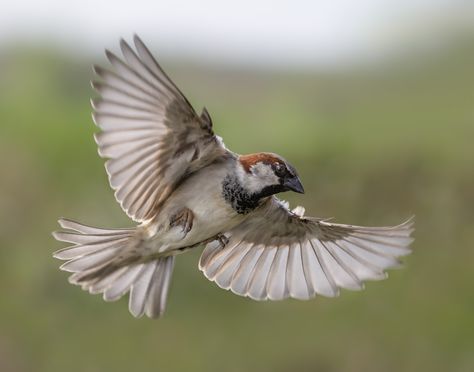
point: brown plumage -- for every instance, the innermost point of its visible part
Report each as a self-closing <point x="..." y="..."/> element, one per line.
<point x="175" y="178"/>
<point x="251" y="159"/>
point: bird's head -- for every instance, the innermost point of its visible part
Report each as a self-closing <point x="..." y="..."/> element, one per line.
<point x="265" y="174"/>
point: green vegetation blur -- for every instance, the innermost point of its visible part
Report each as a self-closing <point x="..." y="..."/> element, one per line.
<point x="372" y="147"/>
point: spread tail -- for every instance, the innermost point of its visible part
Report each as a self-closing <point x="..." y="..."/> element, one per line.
<point x="103" y="261"/>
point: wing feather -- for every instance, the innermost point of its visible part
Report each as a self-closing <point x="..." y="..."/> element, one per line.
<point x="229" y="267"/>
<point x="258" y="282"/>
<point x="276" y="284"/>
<point x="297" y="283"/>
<point x="329" y="285"/>
<point x="275" y="254"/>
<point x="150" y="134"/>
<point x="241" y="276"/>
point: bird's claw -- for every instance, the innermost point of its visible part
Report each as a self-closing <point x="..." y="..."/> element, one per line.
<point x="219" y="238"/>
<point x="183" y="218"/>
<point x="223" y="240"/>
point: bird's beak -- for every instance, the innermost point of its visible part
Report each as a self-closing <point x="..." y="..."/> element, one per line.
<point x="294" y="184"/>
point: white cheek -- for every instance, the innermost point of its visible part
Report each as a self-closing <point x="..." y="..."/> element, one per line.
<point x="261" y="176"/>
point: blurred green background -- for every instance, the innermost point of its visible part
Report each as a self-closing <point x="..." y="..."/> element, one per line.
<point x="373" y="146"/>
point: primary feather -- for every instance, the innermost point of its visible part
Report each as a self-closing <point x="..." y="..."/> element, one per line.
<point x="275" y="254"/>
<point x="150" y="133"/>
<point x="175" y="177"/>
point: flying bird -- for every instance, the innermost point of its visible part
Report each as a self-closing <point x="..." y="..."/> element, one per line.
<point x="176" y="179"/>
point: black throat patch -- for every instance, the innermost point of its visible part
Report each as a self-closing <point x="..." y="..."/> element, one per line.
<point x="240" y="199"/>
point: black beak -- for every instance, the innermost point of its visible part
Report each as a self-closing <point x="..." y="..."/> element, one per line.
<point x="294" y="184"/>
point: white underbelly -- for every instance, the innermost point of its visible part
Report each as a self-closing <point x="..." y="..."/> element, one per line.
<point x="212" y="215"/>
<point x="210" y="219"/>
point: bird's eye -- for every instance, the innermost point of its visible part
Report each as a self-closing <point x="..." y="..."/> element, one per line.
<point x="280" y="169"/>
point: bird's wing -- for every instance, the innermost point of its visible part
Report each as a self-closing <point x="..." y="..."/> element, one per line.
<point x="150" y="133"/>
<point x="277" y="253"/>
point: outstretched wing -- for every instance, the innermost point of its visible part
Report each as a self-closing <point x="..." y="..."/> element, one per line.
<point x="277" y="253"/>
<point x="149" y="131"/>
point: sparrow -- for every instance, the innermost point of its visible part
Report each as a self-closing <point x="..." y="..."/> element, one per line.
<point x="176" y="179"/>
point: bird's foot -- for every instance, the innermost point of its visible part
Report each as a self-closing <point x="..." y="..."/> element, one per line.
<point x="183" y="218"/>
<point x="222" y="239"/>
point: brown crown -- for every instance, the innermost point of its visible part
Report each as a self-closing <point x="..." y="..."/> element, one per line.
<point x="264" y="157"/>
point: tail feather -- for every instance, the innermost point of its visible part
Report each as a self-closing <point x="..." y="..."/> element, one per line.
<point x="103" y="261"/>
<point x="139" y="290"/>
<point x="66" y="223"/>
<point x="101" y="285"/>
<point x="91" y="261"/>
<point x="77" y="251"/>
<point x="122" y="285"/>
<point x="158" y="292"/>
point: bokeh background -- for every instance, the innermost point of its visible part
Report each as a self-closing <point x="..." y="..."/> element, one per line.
<point x="372" y="101"/>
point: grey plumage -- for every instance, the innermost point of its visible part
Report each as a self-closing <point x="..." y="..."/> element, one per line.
<point x="164" y="162"/>
<point x="275" y="254"/>
<point x="96" y="261"/>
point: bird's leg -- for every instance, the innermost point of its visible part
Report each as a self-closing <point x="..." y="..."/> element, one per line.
<point x="221" y="238"/>
<point x="183" y="218"/>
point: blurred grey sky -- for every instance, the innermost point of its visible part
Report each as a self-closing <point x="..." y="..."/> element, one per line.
<point x="316" y="34"/>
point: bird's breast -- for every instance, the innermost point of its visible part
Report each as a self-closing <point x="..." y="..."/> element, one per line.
<point x="202" y="194"/>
